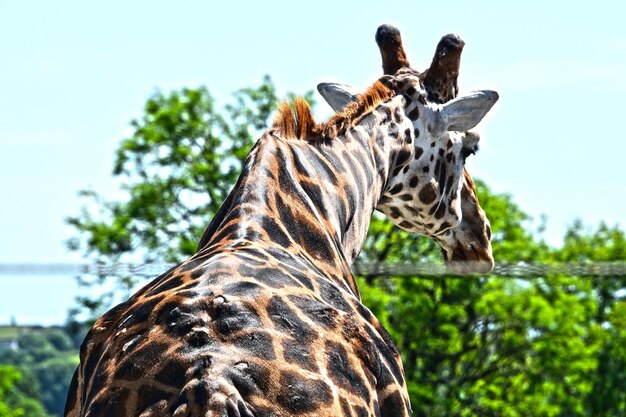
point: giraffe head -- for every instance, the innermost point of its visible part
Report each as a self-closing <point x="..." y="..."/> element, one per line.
<point x="428" y="189"/>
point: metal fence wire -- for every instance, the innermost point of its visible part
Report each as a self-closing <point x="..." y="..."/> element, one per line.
<point x="370" y="269"/>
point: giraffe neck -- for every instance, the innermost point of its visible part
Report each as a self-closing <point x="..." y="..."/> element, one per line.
<point x="312" y="199"/>
<point x="266" y="314"/>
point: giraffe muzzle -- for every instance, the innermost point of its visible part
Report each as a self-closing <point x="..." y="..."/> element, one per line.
<point x="472" y="261"/>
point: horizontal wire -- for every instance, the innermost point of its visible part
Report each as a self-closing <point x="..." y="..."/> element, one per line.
<point x="369" y="269"/>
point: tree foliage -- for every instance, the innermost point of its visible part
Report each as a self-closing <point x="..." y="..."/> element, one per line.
<point x="474" y="346"/>
<point x="608" y="244"/>
<point x="14" y="401"/>
<point x="175" y="170"/>
<point x="496" y="346"/>
<point x="44" y="364"/>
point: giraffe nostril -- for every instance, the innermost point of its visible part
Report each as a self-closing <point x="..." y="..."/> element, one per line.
<point x="488" y="232"/>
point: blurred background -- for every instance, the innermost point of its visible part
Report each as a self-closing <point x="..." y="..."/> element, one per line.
<point x="123" y="127"/>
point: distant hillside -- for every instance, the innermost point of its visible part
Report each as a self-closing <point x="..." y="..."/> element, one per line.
<point x="11" y="332"/>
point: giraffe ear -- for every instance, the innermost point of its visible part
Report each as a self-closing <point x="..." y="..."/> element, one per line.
<point x="337" y="95"/>
<point x="465" y="112"/>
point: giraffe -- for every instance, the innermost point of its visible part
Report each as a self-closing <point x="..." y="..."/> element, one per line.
<point x="466" y="247"/>
<point x="265" y="319"/>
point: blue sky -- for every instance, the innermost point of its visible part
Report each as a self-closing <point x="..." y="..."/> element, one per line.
<point x="73" y="75"/>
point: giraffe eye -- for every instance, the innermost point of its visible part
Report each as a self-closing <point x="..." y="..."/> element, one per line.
<point x="465" y="152"/>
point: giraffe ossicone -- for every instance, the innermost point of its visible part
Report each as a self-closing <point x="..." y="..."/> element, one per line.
<point x="266" y="318"/>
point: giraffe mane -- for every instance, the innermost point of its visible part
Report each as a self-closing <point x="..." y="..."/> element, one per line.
<point x="295" y="120"/>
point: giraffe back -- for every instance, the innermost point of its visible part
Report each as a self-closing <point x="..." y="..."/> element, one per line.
<point x="248" y="326"/>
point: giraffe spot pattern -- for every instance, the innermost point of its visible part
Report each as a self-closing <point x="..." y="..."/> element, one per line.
<point x="257" y="343"/>
<point x="396" y="189"/>
<point x="287" y="320"/>
<point x="427" y="194"/>
<point x="414" y="114"/>
<point x="407" y="136"/>
<point x="342" y="371"/>
<point x="137" y="363"/>
<point x="297" y="353"/>
<point x="301" y="395"/>
<point x="393" y="131"/>
<point x="113" y="404"/>
<point x="316" y="310"/>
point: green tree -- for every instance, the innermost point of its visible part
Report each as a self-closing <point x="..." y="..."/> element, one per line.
<point x="176" y="169"/>
<point x="45" y="361"/>
<point x="8" y="377"/>
<point x="54" y="376"/>
<point x="13" y="402"/>
<point x="488" y="346"/>
<point x="605" y="244"/>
